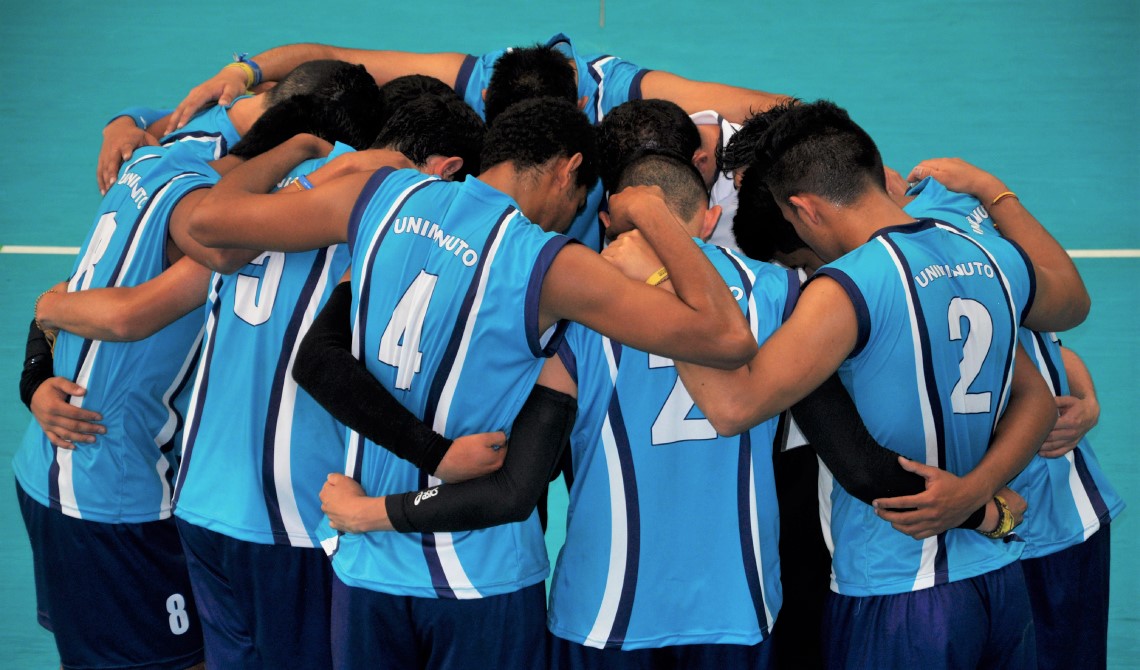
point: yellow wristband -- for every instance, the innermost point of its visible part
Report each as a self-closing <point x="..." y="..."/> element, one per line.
<point x="1002" y="196"/>
<point x="250" y="77"/>
<point x="658" y="277"/>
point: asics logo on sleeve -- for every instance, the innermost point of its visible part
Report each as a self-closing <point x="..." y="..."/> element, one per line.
<point x="424" y="495"/>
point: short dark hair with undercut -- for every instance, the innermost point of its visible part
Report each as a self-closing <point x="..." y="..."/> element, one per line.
<point x="431" y="125"/>
<point x="817" y="148"/>
<point x="533" y="132"/>
<point x="678" y="179"/>
<point x="522" y="73"/>
<point x="740" y="151"/>
<point x="637" y="126"/>
<point x="403" y="90"/>
<point x="760" y="229"/>
<point x="331" y="99"/>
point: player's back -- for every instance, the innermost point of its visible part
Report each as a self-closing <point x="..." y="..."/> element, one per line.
<point x="446" y="281"/>
<point x="672" y="533"/>
<point x="930" y="373"/>
<point x="1069" y="497"/>
<point x="126" y="474"/>
<point x="250" y="430"/>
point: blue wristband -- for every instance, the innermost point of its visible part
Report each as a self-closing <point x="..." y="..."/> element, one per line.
<point x="304" y="182"/>
<point x="244" y="58"/>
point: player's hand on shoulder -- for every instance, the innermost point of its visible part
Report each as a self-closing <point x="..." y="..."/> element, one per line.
<point x="472" y="456"/>
<point x="959" y="176"/>
<point x="120" y="139"/>
<point x="64" y="424"/>
<point x="222" y="88"/>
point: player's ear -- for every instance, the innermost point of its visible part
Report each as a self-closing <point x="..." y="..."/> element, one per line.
<point x="444" y="166"/>
<point x="483" y="95"/>
<point x="804" y="208"/>
<point x="701" y="158"/>
<point x="582" y="102"/>
<point x="708" y="224"/>
<point x="566" y="175"/>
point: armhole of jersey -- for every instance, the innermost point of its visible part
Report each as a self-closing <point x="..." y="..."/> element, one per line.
<point x="366" y="194"/>
<point x="1032" y="279"/>
<point x="569" y="360"/>
<point x="862" y="314"/>
<point x="464" y="77"/>
<point x="534" y="291"/>
<point x="193" y="186"/>
<point x="635" y="85"/>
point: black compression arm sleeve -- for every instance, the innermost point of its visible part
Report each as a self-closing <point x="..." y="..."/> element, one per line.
<point x="38" y="365"/>
<point x="326" y="368"/>
<point x="863" y="467"/>
<point x="510" y="494"/>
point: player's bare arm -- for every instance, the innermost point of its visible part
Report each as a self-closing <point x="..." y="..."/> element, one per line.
<point x="1078" y="412"/>
<point x="732" y="102"/>
<point x="125" y="314"/>
<point x="797" y="358"/>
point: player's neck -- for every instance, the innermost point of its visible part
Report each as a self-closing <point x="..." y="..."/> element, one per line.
<point x="870" y="214"/>
<point x="245" y="112"/>
<point x="520" y="187"/>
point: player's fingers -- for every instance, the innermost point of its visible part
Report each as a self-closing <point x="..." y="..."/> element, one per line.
<point x="901" y="502"/>
<point x="59" y="439"/>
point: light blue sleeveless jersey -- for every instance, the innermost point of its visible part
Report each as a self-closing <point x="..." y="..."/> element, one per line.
<point x="125" y="476"/>
<point x="1070" y="497"/>
<point x="210" y="131"/>
<point x="930" y="374"/>
<point x="605" y="81"/>
<point x="672" y="532"/>
<point x="258" y="448"/>
<point x="446" y="283"/>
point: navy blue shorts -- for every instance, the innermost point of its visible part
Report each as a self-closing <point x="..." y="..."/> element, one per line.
<point x="262" y="605"/>
<point x="116" y="595"/>
<point x="567" y="655"/>
<point x="377" y="630"/>
<point x="981" y="622"/>
<point x="1069" y="594"/>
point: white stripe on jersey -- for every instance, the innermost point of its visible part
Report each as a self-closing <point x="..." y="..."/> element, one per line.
<point x="925" y="576"/>
<point x="615" y="578"/>
<point x="216" y="140"/>
<point x="171" y="425"/>
<point x="283" y="432"/>
<point x="752" y="516"/>
<point x="825" y="486"/>
<point x="1089" y="519"/>
<point x="457" y="578"/>
<point x="600" y="76"/>
<point x="211" y="328"/>
<point x="67" y="502"/>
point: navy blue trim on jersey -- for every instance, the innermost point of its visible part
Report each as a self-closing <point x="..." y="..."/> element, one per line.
<point x="744" y="500"/>
<point x="941" y="566"/>
<point x="203" y="385"/>
<point x="1095" y="498"/>
<point x="744" y="280"/>
<point x="793" y="296"/>
<point x="223" y="145"/>
<point x="464" y="76"/>
<point x="447" y="362"/>
<point x="1032" y="279"/>
<point x="1050" y="364"/>
<point x="280" y="377"/>
<point x="534" y="292"/>
<point x="569" y="360"/>
<point x="905" y="228"/>
<point x="635" y="85"/>
<point x="362" y="202"/>
<point x="632" y="516"/>
<point x="862" y="313"/>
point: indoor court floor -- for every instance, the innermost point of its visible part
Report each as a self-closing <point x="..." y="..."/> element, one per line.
<point x="1042" y="94"/>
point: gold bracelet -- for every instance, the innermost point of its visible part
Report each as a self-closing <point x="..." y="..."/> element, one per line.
<point x="658" y="277"/>
<point x="1006" y="521"/>
<point x="36" y="309"/>
<point x="1002" y="196"/>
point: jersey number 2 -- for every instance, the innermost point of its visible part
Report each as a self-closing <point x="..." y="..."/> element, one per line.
<point x="974" y="351"/>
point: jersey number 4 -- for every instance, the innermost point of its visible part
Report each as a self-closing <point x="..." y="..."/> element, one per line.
<point x="400" y="343"/>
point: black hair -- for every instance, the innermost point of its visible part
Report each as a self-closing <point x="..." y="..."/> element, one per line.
<point x="678" y="179"/>
<point x="532" y="132"/>
<point x="403" y="90"/>
<point x="760" y="229"/>
<point x="333" y="100"/>
<point x="522" y="73"/>
<point x="817" y="148"/>
<point x="643" y="125"/>
<point x="435" y="125"/>
<point x="740" y="151"/>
